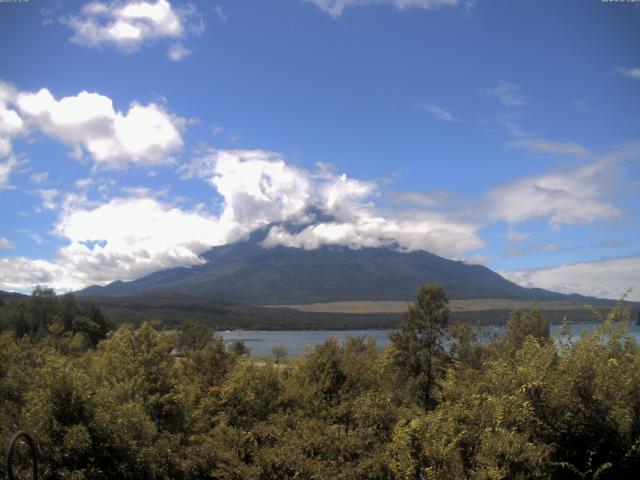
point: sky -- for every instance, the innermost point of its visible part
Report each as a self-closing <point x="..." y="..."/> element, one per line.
<point x="137" y="134"/>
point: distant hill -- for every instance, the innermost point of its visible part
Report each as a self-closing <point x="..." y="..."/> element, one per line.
<point x="10" y="295"/>
<point x="247" y="273"/>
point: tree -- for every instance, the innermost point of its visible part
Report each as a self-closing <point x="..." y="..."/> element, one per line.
<point x="42" y="307"/>
<point x="68" y="310"/>
<point x="280" y="353"/>
<point x="522" y="325"/>
<point x="193" y="336"/>
<point x="419" y="341"/>
<point x="239" y="348"/>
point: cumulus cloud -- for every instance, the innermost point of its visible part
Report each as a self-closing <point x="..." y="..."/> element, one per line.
<point x="127" y="237"/>
<point x="124" y="238"/>
<point x="418" y="231"/>
<point x="542" y="145"/>
<point x="145" y="134"/>
<point x="336" y="7"/>
<point x="21" y="273"/>
<point x="260" y="188"/>
<point x="507" y="93"/>
<point x="89" y="123"/>
<point x="6" y="244"/>
<point x="11" y="124"/>
<point x="564" y="198"/>
<point x="604" y="279"/>
<point x="128" y="25"/>
<point x="6" y="169"/>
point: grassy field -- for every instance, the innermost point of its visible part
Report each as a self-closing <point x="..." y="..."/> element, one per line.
<point x="172" y="310"/>
<point x="472" y="305"/>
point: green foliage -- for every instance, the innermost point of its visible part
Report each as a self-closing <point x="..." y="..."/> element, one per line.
<point x="280" y="353"/>
<point x="250" y="394"/>
<point x="417" y="347"/>
<point x="151" y="404"/>
<point x="238" y="348"/>
<point x="193" y="336"/>
<point x="522" y="325"/>
<point x="45" y="314"/>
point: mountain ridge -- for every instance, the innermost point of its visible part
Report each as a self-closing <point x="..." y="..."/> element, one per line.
<point x="246" y="272"/>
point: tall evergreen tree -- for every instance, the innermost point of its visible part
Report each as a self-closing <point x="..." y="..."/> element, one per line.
<point x="419" y="341"/>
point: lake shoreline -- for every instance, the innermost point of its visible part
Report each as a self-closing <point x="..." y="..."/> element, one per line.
<point x="261" y="342"/>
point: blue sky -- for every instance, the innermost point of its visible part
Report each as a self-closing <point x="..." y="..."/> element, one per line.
<point x="134" y="135"/>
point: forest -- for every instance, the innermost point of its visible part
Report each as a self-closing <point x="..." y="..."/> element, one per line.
<point x="143" y="402"/>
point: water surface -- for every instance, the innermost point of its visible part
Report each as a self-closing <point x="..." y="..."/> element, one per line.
<point x="260" y="342"/>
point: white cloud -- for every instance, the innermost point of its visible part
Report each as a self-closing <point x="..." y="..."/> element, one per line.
<point x="260" y="188"/>
<point x="506" y="93"/>
<point x="438" y="112"/>
<point x="630" y="72"/>
<point x="48" y="196"/>
<point x="335" y="7"/>
<point x="220" y="13"/>
<point x="6" y="169"/>
<point x="419" y="199"/>
<point x="6" y="244"/>
<point x="418" y="231"/>
<point x="477" y="260"/>
<point x="344" y="196"/>
<point x="35" y="237"/>
<point x="604" y="279"/>
<point x="543" y="145"/>
<point x="140" y="234"/>
<point x="177" y="52"/>
<point x="145" y="134"/>
<point x="10" y="122"/>
<point x="565" y="198"/>
<point x="123" y="239"/>
<point x="20" y="273"/>
<point x="38" y="178"/>
<point x="83" y="183"/>
<point x="128" y="25"/>
<point x="515" y="236"/>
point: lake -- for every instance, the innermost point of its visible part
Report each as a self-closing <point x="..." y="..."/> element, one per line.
<point x="260" y="342"/>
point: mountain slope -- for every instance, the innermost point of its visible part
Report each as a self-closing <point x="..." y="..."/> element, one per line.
<point x="245" y="272"/>
<point x="10" y="295"/>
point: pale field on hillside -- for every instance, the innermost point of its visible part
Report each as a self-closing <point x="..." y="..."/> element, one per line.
<point x="391" y="306"/>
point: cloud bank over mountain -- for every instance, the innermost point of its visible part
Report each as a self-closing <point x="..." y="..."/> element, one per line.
<point x="134" y="139"/>
<point x="135" y="231"/>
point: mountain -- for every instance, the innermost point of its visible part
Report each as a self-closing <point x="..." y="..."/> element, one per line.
<point x="10" y="295"/>
<point x="245" y="272"/>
